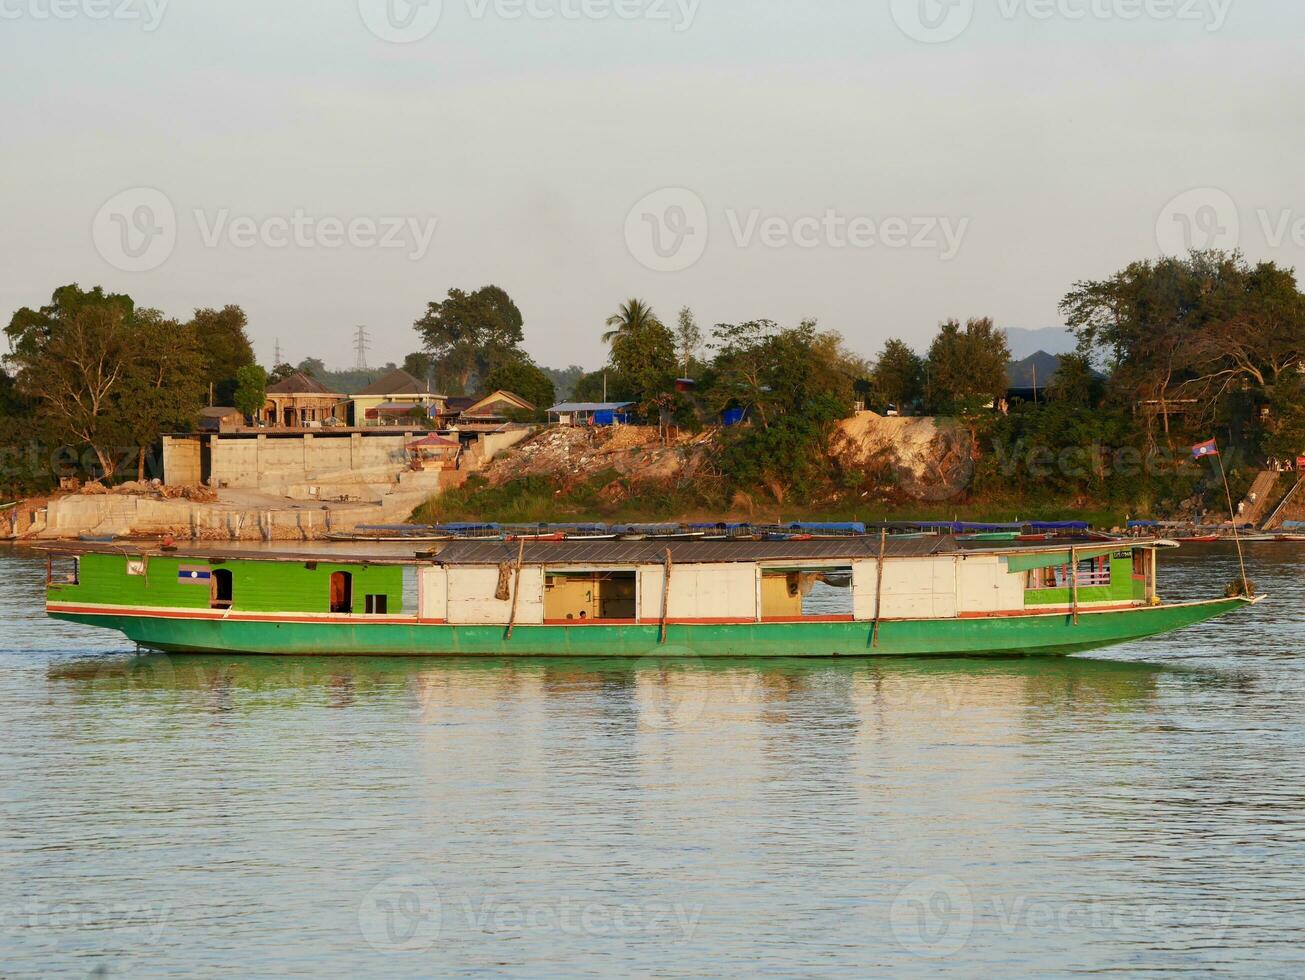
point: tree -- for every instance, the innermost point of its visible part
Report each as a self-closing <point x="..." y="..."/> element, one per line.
<point x="525" y="379"/>
<point x="643" y="354"/>
<point x="312" y="367"/>
<point x="280" y="372"/>
<point x="421" y="366"/>
<point x="225" y="345"/>
<point x="472" y="333"/>
<point x="633" y="315"/>
<point x="251" y="391"/>
<point x="898" y="376"/>
<point x="163" y="388"/>
<point x="73" y="357"/>
<point x="565" y="380"/>
<point x="966" y="369"/>
<point x="1075" y="382"/>
<point x="688" y="339"/>
<point x="1286" y="430"/>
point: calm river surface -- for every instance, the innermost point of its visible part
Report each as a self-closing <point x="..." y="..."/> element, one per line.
<point x="1141" y="810"/>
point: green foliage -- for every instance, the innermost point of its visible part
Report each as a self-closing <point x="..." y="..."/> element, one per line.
<point x="643" y="355"/>
<point x="688" y="341"/>
<point x="225" y="345"/>
<point x="251" y="390"/>
<point x="1204" y="328"/>
<point x="564" y="381"/>
<point x="525" y="379"/>
<point x="472" y="334"/>
<point x="788" y="457"/>
<point x="106" y="375"/>
<point x="966" y="368"/>
<point x="633" y="315"/>
<point x="606" y="385"/>
<point x="898" y="377"/>
<point x="280" y="372"/>
<point x="1286" y="427"/>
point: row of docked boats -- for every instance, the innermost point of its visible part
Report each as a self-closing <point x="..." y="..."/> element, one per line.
<point x="713" y="531"/>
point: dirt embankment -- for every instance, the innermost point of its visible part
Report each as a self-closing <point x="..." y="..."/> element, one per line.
<point x="920" y="457"/>
<point x="577" y="455"/>
<point x="925" y="458"/>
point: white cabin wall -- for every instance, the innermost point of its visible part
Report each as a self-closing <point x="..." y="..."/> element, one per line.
<point x="434" y="593"/>
<point x="700" y="592"/>
<point x="914" y="588"/>
<point x="471" y="599"/>
<point x="986" y="585"/>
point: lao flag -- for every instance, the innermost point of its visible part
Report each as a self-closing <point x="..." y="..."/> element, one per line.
<point x="1210" y="448"/>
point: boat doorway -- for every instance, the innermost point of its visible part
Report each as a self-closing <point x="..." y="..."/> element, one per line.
<point x="223" y="588"/>
<point x="794" y="594"/>
<point x="341" y="592"/>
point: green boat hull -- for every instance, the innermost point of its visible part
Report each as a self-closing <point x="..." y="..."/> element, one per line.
<point x="1034" y="635"/>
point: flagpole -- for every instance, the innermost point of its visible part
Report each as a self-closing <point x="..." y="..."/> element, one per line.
<point x="1232" y="514"/>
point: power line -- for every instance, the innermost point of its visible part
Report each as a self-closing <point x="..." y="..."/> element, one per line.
<point x="276" y="356"/>
<point x="362" y="344"/>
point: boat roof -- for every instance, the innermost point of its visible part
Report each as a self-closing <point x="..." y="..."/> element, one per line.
<point x="595" y="552"/>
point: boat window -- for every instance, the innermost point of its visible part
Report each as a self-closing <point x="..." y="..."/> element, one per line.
<point x="1092" y="572"/>
<point x="63" y="571"/>
<point x="810" y="593"/>
<point x="223" y="588"/>
<point x="378" y="605"/>
<point x="341" y="592"/>
<point x="581" y="597"/>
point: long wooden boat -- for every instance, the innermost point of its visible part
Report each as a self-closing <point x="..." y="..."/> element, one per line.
<point x="823" y="598"/>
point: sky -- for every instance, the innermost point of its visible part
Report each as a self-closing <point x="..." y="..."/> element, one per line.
<point x="879" y="165"/>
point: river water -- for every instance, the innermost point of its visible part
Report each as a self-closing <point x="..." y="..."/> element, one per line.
<point x="1140" y="810"/>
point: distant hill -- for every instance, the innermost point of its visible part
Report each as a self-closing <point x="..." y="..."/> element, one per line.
<point x="1034" y="371"/>
<point x="1051" y="340"/>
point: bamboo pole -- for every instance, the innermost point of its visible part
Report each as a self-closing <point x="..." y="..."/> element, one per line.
<point x="516" y="588"/>
<point x="1232" y="515"/>
<point x="879" y="585"/>
<point x="666" y="595"/>
<point x="1073" y="581"/>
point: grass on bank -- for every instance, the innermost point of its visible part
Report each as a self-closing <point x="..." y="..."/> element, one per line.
<point x="606" y="497"/>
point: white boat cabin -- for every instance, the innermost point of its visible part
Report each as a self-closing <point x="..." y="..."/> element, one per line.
<point x="645" y="582"/>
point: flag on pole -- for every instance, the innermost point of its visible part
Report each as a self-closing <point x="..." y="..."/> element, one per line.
<point x="1210" y="448"/>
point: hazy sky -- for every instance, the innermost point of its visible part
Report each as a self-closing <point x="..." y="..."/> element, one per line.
<point x="877" y="164"/>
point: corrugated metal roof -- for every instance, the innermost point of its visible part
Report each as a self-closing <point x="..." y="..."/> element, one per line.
<point x="683" y="552"/>
<point x="590" y="407"/>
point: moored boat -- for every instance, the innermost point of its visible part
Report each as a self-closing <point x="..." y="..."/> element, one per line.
<point x="855" y="596"/>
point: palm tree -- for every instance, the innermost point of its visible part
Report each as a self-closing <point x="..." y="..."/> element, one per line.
<point x="633" y="314"/>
